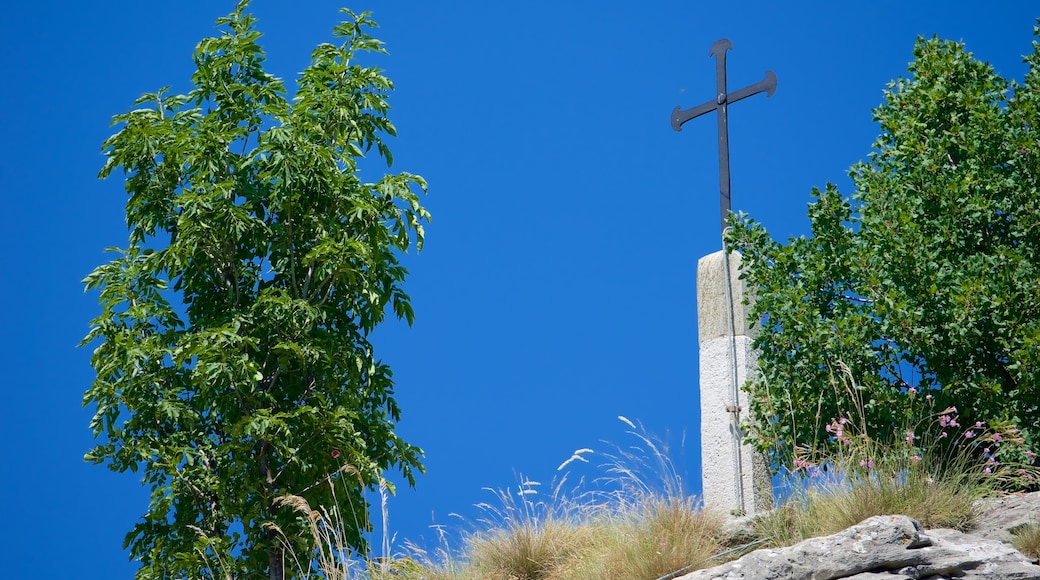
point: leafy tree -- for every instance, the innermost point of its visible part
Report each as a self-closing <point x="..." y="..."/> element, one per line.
<point x="927" y="279"/>
<point x="232" y="354"/>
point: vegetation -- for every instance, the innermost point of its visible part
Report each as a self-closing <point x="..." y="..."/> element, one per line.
<point x="1027" y="540"/>
<point x="637" y="522"/>
<point x="232" y="353"/>
<point x="644" y="527"/>
<point x="924" y="281"/>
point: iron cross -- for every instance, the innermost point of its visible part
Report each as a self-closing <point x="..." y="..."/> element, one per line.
<point x="720" y="103"/>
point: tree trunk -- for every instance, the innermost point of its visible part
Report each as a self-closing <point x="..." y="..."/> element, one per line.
<point x="275" y="560"/>
<point x="276" y="554"/>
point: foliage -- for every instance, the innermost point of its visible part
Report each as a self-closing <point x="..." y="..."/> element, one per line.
<point x="933" y="445"/>
<point x="934" y="472"/>
<point x="233" y="359"/>
<point x="927" y="279"/>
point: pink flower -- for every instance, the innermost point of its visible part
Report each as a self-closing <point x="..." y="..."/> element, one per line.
<point x="835" y="427"/>
<point x="915" y="458"/>
<point x="978" y="424"/>
<point x="987" y="470"/>
<point x="943" y="434"/>
<point x="997" y="437"/>
<point x="911" y="390"/>
<point x="969" y="434"/>
<point x="928" y="397"/>
<point x="335" y="453"/>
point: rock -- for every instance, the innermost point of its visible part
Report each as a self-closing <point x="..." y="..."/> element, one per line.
<point x="1000" y="516"/>
<point x="888" y="547"/>
<point x="956" y="553"/>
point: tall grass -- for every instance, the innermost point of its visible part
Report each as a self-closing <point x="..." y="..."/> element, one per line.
<point x="636" y="520"/>
<point x="934" y="472"/>
<point x="652" y="539"/>
<point x="526" y="537"/>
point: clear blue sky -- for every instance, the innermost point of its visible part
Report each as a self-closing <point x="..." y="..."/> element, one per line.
<point x="556" y="290"/>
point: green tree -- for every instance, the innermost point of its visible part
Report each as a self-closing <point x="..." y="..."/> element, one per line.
<point x="232" y="354"/>
<point x="927" y="279"/>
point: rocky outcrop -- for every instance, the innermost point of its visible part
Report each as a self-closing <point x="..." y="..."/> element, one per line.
<point x="999" y="517"/>
<point x="882" y="547"/>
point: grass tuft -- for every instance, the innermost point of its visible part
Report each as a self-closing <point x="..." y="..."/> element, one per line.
<point x="651" y="540"/>
<point x="1027" y="540"/>
<point x="839" y="504"/>
<point x="635" y="522"/>
<point x="524" y="537"/>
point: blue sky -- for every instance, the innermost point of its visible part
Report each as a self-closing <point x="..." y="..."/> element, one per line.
<point x="556" y="290"/>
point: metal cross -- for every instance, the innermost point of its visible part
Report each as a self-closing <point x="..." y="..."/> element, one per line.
<point x="720" y="103"/>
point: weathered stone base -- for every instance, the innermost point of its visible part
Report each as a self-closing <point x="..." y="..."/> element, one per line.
<point x="735" y="479"/>
<point x="720" y="436"/>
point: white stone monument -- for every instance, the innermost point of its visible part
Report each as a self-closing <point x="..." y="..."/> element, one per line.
<point x="736" y="479"/>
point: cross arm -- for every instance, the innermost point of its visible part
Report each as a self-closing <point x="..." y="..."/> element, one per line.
<point x="679" y="117"/>
<point x="766" y="85"/>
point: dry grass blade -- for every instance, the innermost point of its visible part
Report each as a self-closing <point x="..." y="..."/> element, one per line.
<point x="332" y="555"/>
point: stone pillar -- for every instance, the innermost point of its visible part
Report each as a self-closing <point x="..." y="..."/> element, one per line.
<point x="735" y="478"/>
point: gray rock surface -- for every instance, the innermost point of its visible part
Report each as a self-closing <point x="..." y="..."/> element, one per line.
<point x="888" y="547"/>
<point x="1000" y="516"/>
